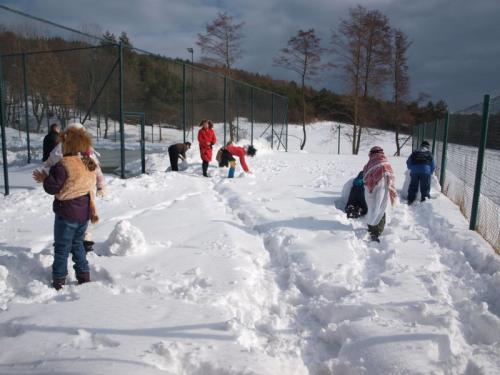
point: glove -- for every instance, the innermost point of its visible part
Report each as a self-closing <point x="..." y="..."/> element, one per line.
<point x="101" y="193"/>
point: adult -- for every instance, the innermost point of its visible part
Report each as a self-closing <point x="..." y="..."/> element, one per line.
<point x="72" y="181"/>
<point x="421" y="165"/>
<point x="241" y="152"/>
<point x="206" y="139"/>
<point x="378" y="178"/>
<point x="177" y="151"/>
<point x="50" y="141"/>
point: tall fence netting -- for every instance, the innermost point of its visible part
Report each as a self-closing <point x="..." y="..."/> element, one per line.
<point x="464" y="134"/>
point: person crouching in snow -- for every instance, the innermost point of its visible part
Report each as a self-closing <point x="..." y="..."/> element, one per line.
<point x="240" y="152"/>
<point x="356" y="203"/>
<point x="378" y="178"/>
<point x="72" y="181"/>
<point x="421" y="165"/>
<point x="206" y="139"/>
<point x="177" y="151"/>
<point x="55" y="156"/>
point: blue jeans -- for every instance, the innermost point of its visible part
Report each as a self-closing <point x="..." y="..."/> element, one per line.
<point x="68" y="237"/>
<point x="422" y="179"/>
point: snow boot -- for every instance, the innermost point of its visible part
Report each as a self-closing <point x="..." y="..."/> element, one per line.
<point x="353" y="212"/>
<point x="83" y="277"/>
<point x="88" y="245"/>
<point x="374" y="238"/>
<point x="57" y="284"/>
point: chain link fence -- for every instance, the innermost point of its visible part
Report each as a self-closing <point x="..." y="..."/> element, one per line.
<point x="466" y="147"/>
<point x="133" y="102"/>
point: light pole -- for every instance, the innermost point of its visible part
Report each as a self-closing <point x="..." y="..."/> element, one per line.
<point x="191" y="51"/>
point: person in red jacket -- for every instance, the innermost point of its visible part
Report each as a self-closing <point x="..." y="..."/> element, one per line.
<point x="206" y="139"/>
<point x="241" y="152"/>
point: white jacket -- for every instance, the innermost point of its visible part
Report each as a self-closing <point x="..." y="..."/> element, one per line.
<point x="378" y="202"/>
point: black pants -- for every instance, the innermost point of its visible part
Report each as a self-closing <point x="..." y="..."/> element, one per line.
<point x="422" y="179"/>
<point x="173" y="154"/>
<point x="204" y="167"/>
<point x="226" y="158"/>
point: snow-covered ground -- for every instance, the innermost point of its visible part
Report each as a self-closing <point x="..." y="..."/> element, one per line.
<point x="261" y="274"/>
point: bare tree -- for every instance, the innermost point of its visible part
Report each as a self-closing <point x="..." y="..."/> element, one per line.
<point x="302" y="56"/>
<point x="363" y="45"/>
<point x="400" y="79"/>
<point x="221" y="44"/>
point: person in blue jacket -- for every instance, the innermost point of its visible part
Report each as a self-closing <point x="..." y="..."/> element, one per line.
<point x="421" y="165"/>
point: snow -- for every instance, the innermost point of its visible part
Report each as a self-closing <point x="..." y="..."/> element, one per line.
<point x="260" y="274"/>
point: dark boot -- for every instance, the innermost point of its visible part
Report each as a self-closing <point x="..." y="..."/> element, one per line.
<point x="83" y="277"/>
<point x="88" y="245"/>
<point x="204" y="167"/>
<point x="58" y="283"/>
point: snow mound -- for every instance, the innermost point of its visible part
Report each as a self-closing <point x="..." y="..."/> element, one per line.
<point x="125" y="240"/>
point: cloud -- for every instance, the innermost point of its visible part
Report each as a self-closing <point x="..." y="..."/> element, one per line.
<point x="454" y="55"/>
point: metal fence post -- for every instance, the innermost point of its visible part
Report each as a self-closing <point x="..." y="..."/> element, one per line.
<point x="2" y="129"/>
<point x="225" y="107"/>
<point x="120" y="95"/>
<point x="445" y="151"/>
<point x="272" y="121"/>
<point x="434" y="138"/>
<point x="338" y="146"/>
<point x="143" y="146"/>
<point x="286" y="123"/>
<point x="184" y="102"/>
<point x="25" y="84"/>
<point x="480" y="163"/>
<point x="252" y="116"/>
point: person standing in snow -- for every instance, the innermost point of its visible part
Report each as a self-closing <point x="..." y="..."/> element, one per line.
<point x="421" y="165"/>
<point x="72" y="182"/>
<point x="56" y="156"/>
<point x="50" y="141"/>
<point x="240" y="152"/>
<point x="177" y="151"/>
<point x="206" y="139"/>
<point x="378" y="178"/>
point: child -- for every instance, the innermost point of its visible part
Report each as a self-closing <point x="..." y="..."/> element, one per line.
<point x="240" y="152"/>
<point x="378" y="178"/>
<point x="356" y="204"/>
<point x="177" y="151"/>
<point x="55" y="156"/>
<point x="72" y="181"/>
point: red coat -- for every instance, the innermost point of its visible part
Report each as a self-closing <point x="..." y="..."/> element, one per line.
<point x="206" y="138"/>
<point x="240" y="153"/>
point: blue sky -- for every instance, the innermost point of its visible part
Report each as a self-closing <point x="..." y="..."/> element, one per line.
<point x="455" y="53"/>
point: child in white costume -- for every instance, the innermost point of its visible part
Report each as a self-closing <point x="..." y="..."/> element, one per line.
<point x="378" y="177"/>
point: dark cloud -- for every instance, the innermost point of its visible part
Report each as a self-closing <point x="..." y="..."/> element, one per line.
<point x="454" y="56"/>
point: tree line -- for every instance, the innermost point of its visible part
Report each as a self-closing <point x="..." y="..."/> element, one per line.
<point x="369" y="53"/>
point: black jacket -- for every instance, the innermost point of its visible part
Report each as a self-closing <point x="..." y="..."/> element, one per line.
<point x="49" y="142"/>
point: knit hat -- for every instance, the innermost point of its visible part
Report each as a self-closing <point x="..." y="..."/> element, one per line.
<point x="425" y="144"/>
<point x="376" y="150"/>
<point x="251" y="151"/>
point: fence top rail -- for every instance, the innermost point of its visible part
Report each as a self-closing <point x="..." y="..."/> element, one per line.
<point x="50" y="23"/>
<point x="107" y="43"/>
<point x="17" y="54"/>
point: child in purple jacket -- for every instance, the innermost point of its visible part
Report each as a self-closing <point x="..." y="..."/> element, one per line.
<point x="72" y="182"/>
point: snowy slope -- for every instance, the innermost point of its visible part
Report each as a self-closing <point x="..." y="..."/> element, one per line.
<point x="261" y="274"/>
